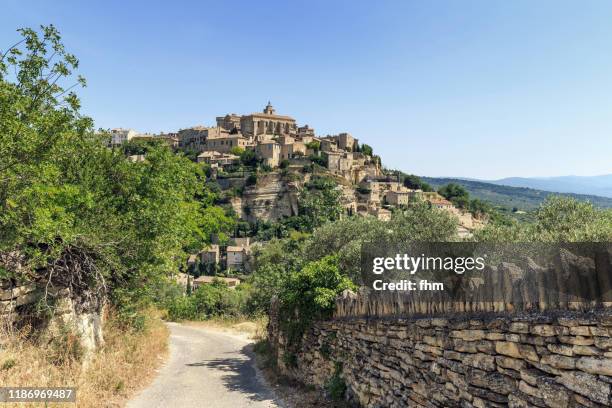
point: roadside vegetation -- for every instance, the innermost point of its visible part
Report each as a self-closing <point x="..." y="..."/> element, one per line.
<point x="125" y="363"/>
<point x="76" y="214"/>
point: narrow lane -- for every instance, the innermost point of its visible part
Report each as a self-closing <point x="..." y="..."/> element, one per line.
<point x="206" y="368"/>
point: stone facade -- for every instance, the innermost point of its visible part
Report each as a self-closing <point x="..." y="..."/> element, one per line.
<point x="266" y="122"/>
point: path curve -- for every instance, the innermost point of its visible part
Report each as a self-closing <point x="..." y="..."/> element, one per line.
<point x="207" y="368"/>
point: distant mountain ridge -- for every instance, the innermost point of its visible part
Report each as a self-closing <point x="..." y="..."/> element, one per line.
<point x="509" y="197"/>
<point x="589" y="185"/>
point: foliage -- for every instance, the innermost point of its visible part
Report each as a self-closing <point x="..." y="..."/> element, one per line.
<point x="559" y="219"/>
<point x="317" y="160"/>
<point x="249" y="158"/>
<point x="81" y="212"/>
<point x="310" y="294"/>
<point x="251" y="180"/>
<point x="336" y="386"/>
<point x="211" y="300"/>
<point x="367" y="150"/>
<point x="314" y="145"/>
<point x="455" y="194"/>
<point x="237" y="150"/>
<point x="416" y="183"/>
<point x="318" y="203"/>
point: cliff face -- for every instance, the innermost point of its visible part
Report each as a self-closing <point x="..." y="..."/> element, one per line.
<point x="272" y="198"/>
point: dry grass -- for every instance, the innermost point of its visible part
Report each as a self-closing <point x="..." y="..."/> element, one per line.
<point x="126" y="363"/>
<point x="253" y="328"/>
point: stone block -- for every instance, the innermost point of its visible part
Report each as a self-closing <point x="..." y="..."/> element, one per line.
<point x="553" y="394"/>
<point x="561" y="349"/>
<point x="587" y="385"/>
<point x="559" y="361"/>
<point x="595" y="365"/>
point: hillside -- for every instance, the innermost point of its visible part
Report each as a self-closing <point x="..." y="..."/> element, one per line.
<point x="592" y="185"/>
<point x="508" y="197"/>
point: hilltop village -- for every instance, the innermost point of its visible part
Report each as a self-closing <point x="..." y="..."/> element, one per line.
<point x="290" y="156"/>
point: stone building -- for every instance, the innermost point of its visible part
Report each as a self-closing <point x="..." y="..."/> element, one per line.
<point x="229" y="122"/>
<point x="270" y="152"/>
<point x="254" y="124"/>
<point x="225" y="143"/>
<point x="217" y="159"/>
<point x="120" y="136"/>
<point x="236" y="257"/>
<point x="210" y="255"/>
<point x="397" y="197"/>
<point x="305" y="131"/>
<point x="195" y="137"/>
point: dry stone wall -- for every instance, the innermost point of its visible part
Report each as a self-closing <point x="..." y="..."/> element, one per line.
<point x="538" y="359"/>
<point x="18" y="306"/>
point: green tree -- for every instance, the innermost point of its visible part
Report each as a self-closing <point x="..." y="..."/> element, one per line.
<point x="456" y="194"/>
<point x="558" y="219"/>
<point x="237" y="150"/>
<point x="367" y="150"/>
<point x="415" y="183"/>
<point x="77" y="212"/>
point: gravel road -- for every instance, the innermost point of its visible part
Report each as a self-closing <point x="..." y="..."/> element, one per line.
<point x="206" y="368"/>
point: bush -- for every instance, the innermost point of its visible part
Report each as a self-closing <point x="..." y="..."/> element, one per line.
<point x="310" y="294"/>
<point x="65" y="347"/>
<point x="336" y="386"/>
<point x="318" y="160"/>
<point x="212" y="300"/>
<point x="251" y="180"/>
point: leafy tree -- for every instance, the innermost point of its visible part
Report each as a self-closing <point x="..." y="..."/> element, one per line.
<point x="318" y="203"/>
<point x="76" y="212"/>
<point x="367" y="150"/>
<point x="310" y="294"/>
<point x="237" y="150"/>
<point x="559" y="219"/>
<point x="318" y="160"/>
<point x="415" y="183"/>
<point x="455" y="194"/>
<point x="314" y="145"/>
<point x="249" y="158"/>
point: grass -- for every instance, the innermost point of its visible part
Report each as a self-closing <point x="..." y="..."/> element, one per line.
<point x="253" y="327"/>
<point x="125" y="364"/>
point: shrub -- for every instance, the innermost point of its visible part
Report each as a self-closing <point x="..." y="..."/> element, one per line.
<point x="318" y="160"/>
<point x="251" y="180"/>
<point x="336" y="386"/>
<point x="310" y="294"/>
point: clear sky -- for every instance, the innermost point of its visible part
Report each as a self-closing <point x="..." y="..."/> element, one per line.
<point x="483" y="89"/>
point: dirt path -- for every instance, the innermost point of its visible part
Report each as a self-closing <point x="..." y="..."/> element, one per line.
<point x="207" y="368"/>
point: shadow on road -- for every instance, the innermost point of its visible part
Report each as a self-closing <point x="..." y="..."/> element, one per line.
<point x="240" y="374"/>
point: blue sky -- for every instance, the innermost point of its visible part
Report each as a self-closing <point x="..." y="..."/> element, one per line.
<point x="483" y="89"/>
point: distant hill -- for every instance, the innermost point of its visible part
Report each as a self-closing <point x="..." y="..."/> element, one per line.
<point x="590" y="185"/>
<point x="508" y="197"/>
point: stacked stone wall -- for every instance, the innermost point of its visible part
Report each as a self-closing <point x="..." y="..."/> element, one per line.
<point x="553" y="359"/>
